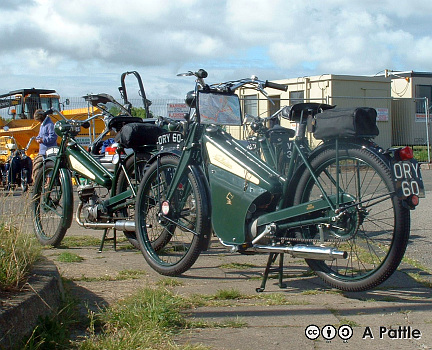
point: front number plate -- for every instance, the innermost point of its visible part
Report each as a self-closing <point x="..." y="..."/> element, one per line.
<point x="408" y="179"/>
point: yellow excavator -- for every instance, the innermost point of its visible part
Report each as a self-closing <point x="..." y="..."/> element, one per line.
<point x="19" y="126"/>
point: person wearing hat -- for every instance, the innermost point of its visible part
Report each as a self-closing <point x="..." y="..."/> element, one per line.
<point x="47" y="136"/>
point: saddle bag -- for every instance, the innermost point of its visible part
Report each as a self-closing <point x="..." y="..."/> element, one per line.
<point x="134" y="135"/>
<point x="345" y="123"/>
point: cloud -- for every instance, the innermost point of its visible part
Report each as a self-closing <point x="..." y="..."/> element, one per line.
<point x="101" y="38"/>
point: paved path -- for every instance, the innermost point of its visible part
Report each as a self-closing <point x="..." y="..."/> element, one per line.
<point x="400" y="308"/>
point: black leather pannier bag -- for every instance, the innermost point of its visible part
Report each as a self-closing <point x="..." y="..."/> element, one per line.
<point x="345" y="123"/>
<point x="133" y="135"/>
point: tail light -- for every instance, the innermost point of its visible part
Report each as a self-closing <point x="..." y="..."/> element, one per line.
<point x="110" y="150"/>
<point x="405" y="153"/>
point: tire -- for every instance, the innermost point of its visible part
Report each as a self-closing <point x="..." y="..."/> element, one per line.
<point x="168" y="248"/>
<point x="37" y="166"/>
<point x="52" y="211"/>
<point x="24" y="184"/>
<point x="122" y="185"/>
<point x="377" y="230"/>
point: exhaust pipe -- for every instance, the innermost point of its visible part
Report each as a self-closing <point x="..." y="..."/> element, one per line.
<point x="120" y="225"/>
<point x="304" y="251"/>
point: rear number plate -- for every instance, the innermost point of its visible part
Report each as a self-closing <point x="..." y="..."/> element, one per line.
<point x="170" y="139"/>
<point x="407" y="178"/>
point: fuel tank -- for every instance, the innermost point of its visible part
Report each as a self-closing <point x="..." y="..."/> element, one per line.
<point x="84" y="164"/>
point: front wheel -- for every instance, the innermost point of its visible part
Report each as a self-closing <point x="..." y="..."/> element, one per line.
<point x="170" y="243"/>
<point x="373" y="226"/>
<point x="52" y="209"/>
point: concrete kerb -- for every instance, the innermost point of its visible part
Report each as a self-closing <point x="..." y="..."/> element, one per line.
<point x="41" y="296"/>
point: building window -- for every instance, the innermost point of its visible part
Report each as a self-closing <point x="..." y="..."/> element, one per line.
<point x="251" y="105"/>
<point x="422" y="91"/>
<point x="296" y="97"/>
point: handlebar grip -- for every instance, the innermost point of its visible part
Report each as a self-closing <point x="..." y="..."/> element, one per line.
<point x="48" y="112"/>
<point x="85" y="125"/>
<point x="276" y="86"/>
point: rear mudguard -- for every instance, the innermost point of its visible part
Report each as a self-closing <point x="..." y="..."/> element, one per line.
<point x="385" y="155"/>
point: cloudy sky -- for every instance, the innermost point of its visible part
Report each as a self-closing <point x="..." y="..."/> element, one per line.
<point x="83" y="46"/>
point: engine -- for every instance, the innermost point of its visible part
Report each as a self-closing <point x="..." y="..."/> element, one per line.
<point x="92" y="208"/>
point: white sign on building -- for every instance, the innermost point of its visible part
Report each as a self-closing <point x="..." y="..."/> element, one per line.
<point x="177" y="110"/>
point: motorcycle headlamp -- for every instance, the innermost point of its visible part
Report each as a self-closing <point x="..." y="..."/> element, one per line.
<point x="191" y="99"/>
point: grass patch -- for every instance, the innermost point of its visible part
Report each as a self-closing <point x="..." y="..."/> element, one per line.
<point x="280" y="299"/>
<point x="237" y="266"/>
<point x="69" y="257"/>
<point x="130" y="274"/>
<point x="80" y="241"/>
<point x="345" y="321"/>
<point x="121" y="276"/>
<point x="146" y="320"/>
<point x="228" y="294"/>
<point x="420" y="153"/>
<point x="415" y="264"/>
<point x="169" y="282"/>
<point x="18" y="253"/>
<point x="53" y="332"/>
<point x="229" y="323"/>
<point x="231" y="297"/>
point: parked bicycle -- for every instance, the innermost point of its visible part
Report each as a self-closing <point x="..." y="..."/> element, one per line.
<point x="344" y="206"/>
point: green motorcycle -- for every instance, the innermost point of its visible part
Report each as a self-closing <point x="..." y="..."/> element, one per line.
<point x="344" y="206"/>
<point x="106" y="196"/>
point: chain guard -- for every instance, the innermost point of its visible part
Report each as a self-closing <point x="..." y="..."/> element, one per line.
<point x="352" y="223"/>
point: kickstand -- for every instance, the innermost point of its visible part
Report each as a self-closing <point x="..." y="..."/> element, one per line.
<point x="105" y="238"/>
<point x="271" y="259"/>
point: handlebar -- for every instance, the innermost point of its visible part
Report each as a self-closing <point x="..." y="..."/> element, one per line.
<point x="84" y="123"/>
<point x="231" y="86"/>
<point x="173" y="124"/>
<point x="276" y="86"/>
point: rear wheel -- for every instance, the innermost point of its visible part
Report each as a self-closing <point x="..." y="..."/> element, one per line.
<point x="52" y="209"/>
<point x="37" y="166"/>
<point x="135" y="170"/>
<point x="373" y="226"/>
<point x="170" y="243"/>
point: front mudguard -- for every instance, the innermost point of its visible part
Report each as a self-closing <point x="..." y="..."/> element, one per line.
<point x="204" y="190"/>
<point x="173" y="152"/>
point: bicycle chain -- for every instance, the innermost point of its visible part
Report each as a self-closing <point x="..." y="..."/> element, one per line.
<point x="327" y="240"/>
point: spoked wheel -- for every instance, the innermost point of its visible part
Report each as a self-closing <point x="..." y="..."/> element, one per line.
<point x="170" y="241"/>
<point x="37" y="166"/>
<point x="373" y="227"/>
<point x="52" y="209"/>
<point x="135" y="170"/>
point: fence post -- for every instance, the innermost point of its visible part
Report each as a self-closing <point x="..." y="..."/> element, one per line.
<point x="427" y="116"/>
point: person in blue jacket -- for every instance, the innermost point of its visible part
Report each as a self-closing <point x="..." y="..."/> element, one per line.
<point x="47" y="136"/>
